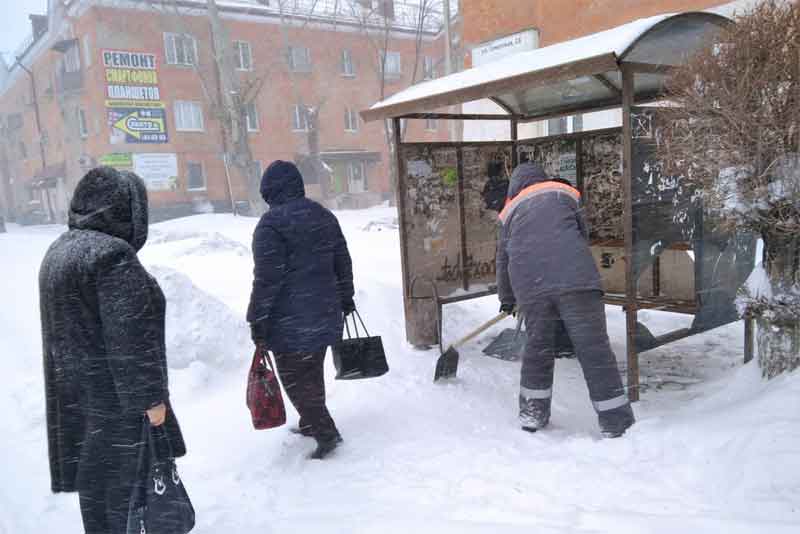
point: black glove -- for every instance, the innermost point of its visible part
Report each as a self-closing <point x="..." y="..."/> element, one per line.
<point x="348" y="306"/>
<point x="257" y="332"/>
<point x="508" y="308"/>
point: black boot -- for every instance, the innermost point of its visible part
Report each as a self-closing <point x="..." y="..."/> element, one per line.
<point x="325" y="446"/>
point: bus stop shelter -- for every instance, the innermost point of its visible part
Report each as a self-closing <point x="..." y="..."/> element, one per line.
<point x="655" y="245"/>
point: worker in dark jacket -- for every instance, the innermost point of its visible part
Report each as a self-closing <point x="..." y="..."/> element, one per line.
<point x="302" y="289"/>
<point x="104" y="351"/>
<point x="546" y="269"/>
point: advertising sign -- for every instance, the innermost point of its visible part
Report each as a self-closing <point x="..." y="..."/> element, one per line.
<point x="119" y="160"/>
<point x="158" y="170"/>
<point x="134" y="108"/>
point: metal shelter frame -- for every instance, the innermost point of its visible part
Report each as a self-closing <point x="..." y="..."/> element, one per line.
<point x="621" y="67"/>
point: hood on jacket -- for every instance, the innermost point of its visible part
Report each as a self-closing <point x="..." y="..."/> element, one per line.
<point x="111" y="202"/>
<point x="281" y="183"/>
<point x="525" y="175"/>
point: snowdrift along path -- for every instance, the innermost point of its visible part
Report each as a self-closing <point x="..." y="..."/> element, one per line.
<point x="715" y="449"/>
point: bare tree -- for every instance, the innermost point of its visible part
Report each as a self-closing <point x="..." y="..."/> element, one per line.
<point x="733" y="132"/>
<point x="378" y="29"/>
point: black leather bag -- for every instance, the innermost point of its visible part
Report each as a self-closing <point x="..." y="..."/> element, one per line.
<point x="359" y="357"/>
<point x="159" y="504"/>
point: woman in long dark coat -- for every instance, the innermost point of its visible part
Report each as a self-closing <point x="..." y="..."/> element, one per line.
<point x="104" y="351"/>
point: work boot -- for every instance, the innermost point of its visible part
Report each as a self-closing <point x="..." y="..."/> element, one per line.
<point x="304" y="431"/>
<point x="325" y="446"/>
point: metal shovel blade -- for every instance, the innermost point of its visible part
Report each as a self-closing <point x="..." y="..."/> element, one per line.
<point x="508" y="345"/>
<point x="446" y="365"/>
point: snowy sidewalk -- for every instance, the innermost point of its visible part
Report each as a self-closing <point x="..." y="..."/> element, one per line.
<point x="715" y="449"/>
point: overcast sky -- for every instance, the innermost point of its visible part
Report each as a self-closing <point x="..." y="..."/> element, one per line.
<point x="14" y="24"/>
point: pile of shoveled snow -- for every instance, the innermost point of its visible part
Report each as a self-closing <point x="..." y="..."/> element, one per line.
<point x="188" y="243"/>
<point x="200" y="328"/>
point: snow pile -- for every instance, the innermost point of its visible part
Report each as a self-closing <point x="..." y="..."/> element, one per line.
<point x="197" y="243"/>
<point x="200" y="328"/>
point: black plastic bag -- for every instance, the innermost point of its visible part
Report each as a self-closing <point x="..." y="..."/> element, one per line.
<point x="159" y="504"/>
<point x="359" y="357"/>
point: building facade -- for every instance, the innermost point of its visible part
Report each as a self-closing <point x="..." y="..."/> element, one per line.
<point x="135" y="84"/>
<point x="495" y="29"/>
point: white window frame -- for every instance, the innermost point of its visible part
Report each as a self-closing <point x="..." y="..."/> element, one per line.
<point x="348" y="67"/>
<point x="83" y="125"/>
<point x="293" y="65"/>
<point x="299" y="118"/>
<point x="388" y="58"/>
<point x="351" y="122"/>
<point x="428" y="68"/>
<point x="171" y="41"/>
<point x="244" y="61"/>
<point x="351" y="178"/>
<point x="202" y="174"/>
<point x="431" y="125"/>
<point x="197" y="121"/>
<point x="250" y="118"/>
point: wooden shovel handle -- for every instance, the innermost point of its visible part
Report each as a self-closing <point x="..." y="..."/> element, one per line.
<point x="485" y="326"/>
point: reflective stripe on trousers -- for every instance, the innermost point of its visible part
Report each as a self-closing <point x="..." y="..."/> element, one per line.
<point x="535" y="394"/>
<point x="611" y="404"/>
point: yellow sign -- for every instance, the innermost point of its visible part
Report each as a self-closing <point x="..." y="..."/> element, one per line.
<point x="141" y="123"/>
<point x="131" y="76"/>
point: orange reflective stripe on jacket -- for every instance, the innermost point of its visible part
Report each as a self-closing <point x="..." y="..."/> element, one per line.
<point x="536" y="189"/>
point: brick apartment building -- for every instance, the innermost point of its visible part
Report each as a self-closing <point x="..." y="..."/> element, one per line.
<point x="493" y="29"/>
<point x="125" y="82"/>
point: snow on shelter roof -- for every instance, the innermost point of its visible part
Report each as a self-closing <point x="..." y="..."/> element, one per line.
<point x="581" y="74"/>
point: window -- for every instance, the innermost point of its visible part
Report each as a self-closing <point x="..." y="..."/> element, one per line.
<point x="180" y="48"/>
<point x="557" y="126"/>
<point x="195" y="178"/>
<point x="299" y="118"/>
<point x="72" y="59"/>
<point x="428" y="68"/>
<point x="188" y="116"/>
<point x="350" y="120"/>
<point x="356" y="177"/>
<point x="577" y="123"/>
<point x="431" y="125"/>
<point x="299" y="58"/>
<point x="347" y="64"/>
<point x="251" y="116"/>
<point x="390" y="62"/>
<point x="82" y="126"/>
<point x="244" y="55"/>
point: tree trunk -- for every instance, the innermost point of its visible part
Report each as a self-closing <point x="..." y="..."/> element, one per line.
<point x="779" y="328"/>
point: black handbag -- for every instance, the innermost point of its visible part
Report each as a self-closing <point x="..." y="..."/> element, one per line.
<point x="359" y="357"/>
<point x="159" y="503"/>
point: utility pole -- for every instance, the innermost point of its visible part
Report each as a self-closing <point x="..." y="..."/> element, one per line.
<point x="35" y="95"/>
<point x="448" y="59"/>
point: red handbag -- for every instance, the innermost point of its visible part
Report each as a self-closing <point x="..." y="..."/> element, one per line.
<point x="264" y="392"/>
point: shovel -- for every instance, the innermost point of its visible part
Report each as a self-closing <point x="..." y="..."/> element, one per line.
<point x="447" y="364"/>
<point x="509" y="344"/>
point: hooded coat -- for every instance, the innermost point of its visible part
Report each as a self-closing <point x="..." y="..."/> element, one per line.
<point x="303" y="273"/>
<point x="102" y="318"/>
<point x="544" y="246"/>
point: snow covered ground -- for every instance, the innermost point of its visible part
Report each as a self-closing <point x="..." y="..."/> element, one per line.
<point x="715" y="450"/>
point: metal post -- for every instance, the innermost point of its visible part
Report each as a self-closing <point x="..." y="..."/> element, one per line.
<point x="630" y="280"/>
<point x="514" y="143"/>
<point x="462" y="222"/>
<point x="401" y="205"/>
<point x="749" y="335"/>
